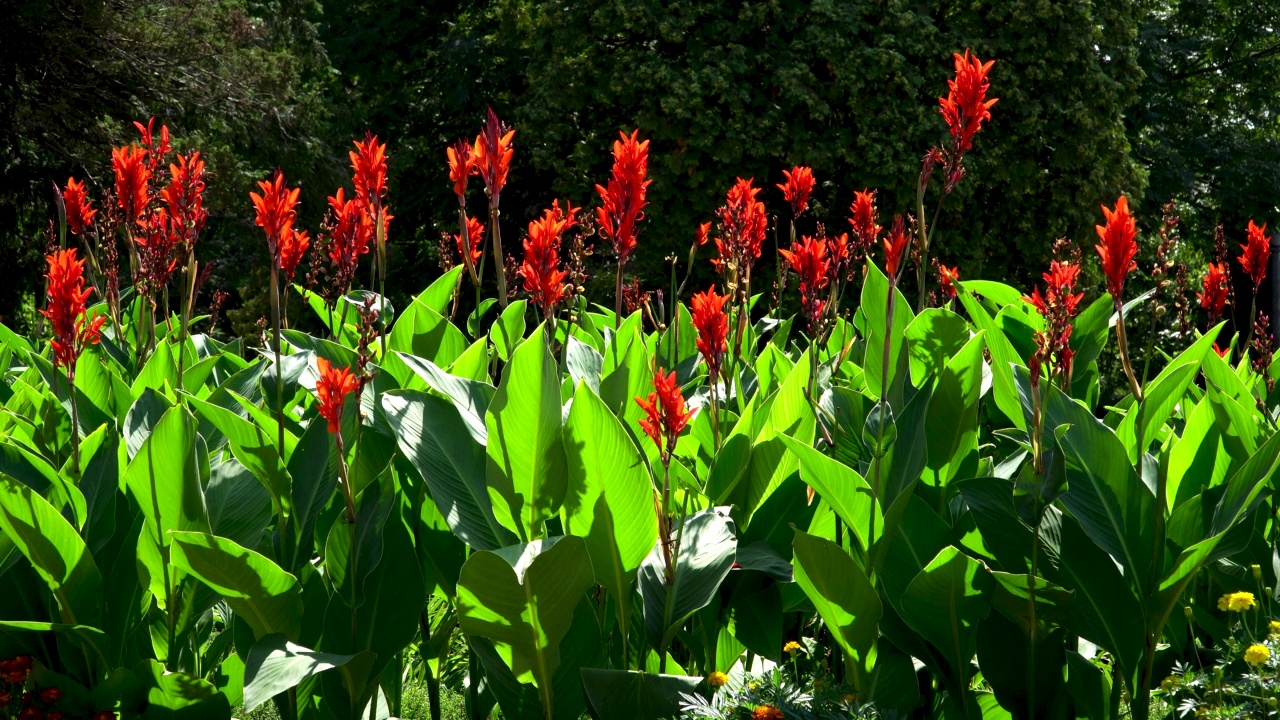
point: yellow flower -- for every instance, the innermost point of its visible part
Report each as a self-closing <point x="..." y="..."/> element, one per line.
<point x="1169" y="683"/>
<point x="1236" y="601"/>
<point x="717" y="679"/>
<point x="791" y="647"/>
<point x="754" y="685"/>
<point x="767" y="712"/>
<point x="1275" y="627"/>
<point x="1256" y="654"/>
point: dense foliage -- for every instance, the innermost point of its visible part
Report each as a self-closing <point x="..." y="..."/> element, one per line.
<point x="919" y="497"/>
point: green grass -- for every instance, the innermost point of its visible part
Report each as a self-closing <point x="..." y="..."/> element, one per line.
<point x="413" y="706"/>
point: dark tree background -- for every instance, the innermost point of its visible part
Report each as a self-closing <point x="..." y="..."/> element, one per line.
<point x="1158" y="100"/>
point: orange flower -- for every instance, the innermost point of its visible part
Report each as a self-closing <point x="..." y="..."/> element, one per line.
<point x="700" y="238"/>
<point x="1256" y="253"/>
<point x="332" y="388"/>
<point x="712" y="324"/>
<point x="1059" y="282"/>
<point x="1118" y="247"/>
<point x="462" y="165"/>
<point x="744" y="223"/>
<point x="624" y="199"/>
<point x="1223" y="352"/>
<point x="369" y="165"/>
<point x="184" y="195"/>
<point x="493" y="154"/>
<point x="947" y="278"/>
<point x="1214" y="297"/>
<point x="66" y="296"/>
<point x="838" y="251"/>
<point x="797" y="189"/>
<point x="293" y="244"/>
<point x="154" y="149"/>
<point x="965" y="107"/>
<point x="767" y="712"/>
<point x="470" y="247"/>
<point x="665" y="413"/>
<point x="863" y="219"/>
<point x="80" y="210"/>
<point x="130" y="168"/>
<point x="808" y="258"/>
<point x="1058" y="306"/>
<point x="276" y="210"/>
<point x="543" y="278"/>
<point x="351" y="229"/>
<point x="894" y="247"/>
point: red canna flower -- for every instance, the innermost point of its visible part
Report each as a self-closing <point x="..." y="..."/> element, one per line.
<point x="543" y="278"/>
<point x="665" y="413"/>
<point x="966" y="106"/>
<point x="1058" y="306"/>
<point x="947" y="278"/>
<point x="470" y="247"/>
<point x="797" y="189"/>
<point x="184" y="195"/>
<point x="1214" y="297"/>
<point x="808" y="258"/>
<point x="155" y="241"/>
<point x="1223" y="352"/>
<point x="1256" y="253"/>
<point x="72" y="331"/>
<point x="132" y="174"/>
<point x="712" y="324"/>
<point x="156" y="150"/>
<point x="462" y="165"/>
<point x="493" y="154"/>
<point x="743" y="222"/>
<point x="293" y="245"/>
<point x="841" y="258"/>
<point x="332" y="388"/>
<point x="895" y="245"/>
<point x="80" y="210"/>
<point x="347" y="232"/>
<point x="369" y="165"/>
<point x="624" y="199"/>
<point x="863" y="219"/>
<point x="276" y="210"/>
<point x="1118" y="247"/>
<point x="51" y="695"/>
<point x="700" y="238"/>
<point x="1059" y="282"/>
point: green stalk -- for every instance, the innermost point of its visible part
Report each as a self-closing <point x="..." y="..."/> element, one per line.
<point x="498" y="267"/>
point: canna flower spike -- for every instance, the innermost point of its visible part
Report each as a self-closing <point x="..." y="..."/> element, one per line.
<point x="1216" y="286"/>
<point x="966" y="106"/>
<point x="276" y="210"/>
<point x="543" y="278"/>
<point x="808" y="258"/>
<point x="665" y="413"/>
<point x="1257" y="251"/>
<point x="1118" y="247"/>
<point x="462" y="165"/>
<point x="80" y="212"/>
<point x="492" y="155"/>
<point x="66" y="295"/>
<point x="623" y="201"/>
<point x="369" y="168"/>
<point x="470" y="247"/>
<point x="797" y="189"/>
<point x="895" y="246"/>
<point x="712" y="324"/>
<point x="293" y="245"/>
<point x="862" y="217"/>
<point x="332" y="388"/>
<point x="947" y="279"/>
<point x="184" y="196"/>
<point x="129" y="164"/>
<point x="743" y="222"/>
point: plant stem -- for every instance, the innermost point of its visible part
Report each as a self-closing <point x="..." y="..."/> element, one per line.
<point x="381" y="231"/>
<point x="1123" y="346"/>
<point x="75" y="425"/>
<point x="499" y="270"/>
<point x="617" y="298"/>
<point x="275" y="347"/>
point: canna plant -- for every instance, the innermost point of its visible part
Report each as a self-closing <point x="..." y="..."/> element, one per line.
<point x="558" y="508"/>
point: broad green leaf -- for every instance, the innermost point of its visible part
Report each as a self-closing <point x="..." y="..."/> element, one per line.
<point x="945" y="603"/>
<point x="1104" y="492"/>
<point x="933" y="338"/>
<point x="843" y="489"/>
<point x="609" y="501"/>
<point x="951" y="422"/>
<point x="508" y="330"/>
<point x="426" y="333"/>
<point x="160" y="371"/>
<point x="874" y="309"/>
<point x="706" y="555"/>
<point x="525" y="472"/>
<point x="472" y="398"/>
<point x="523" y="598"/>
<point x="165" y="478"/>
<point x="54" y="549"/>
<point x="770" y="464"/>
<point x="157" y="694"/>
<point x="254" y="448"/>
<point x="846" y="601"/>
<point x="267" y="597"/>
<point x="439" y="294"/>
<point x="433" y="436"/>
<point x="275" y="665"/>
<point x="1139" y="428"/>
<point x="1003" y="358"/>
<point x="630" y="693"/>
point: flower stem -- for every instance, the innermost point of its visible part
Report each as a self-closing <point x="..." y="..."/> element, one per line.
<point x="1123" y="346"/>
<point x="498" y="267"/>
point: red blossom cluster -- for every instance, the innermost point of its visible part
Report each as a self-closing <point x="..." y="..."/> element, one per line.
<point x="623" y="201"/>
<point x="743" y="223"/>
<point x="369" y="170"/>
<point x="808" y="259"/>
<point x="1058" y="305"/>
<point x="80" y="212"/>
<point x="966" y="105"/>
<point x="492" y="155"/>
<point x="132" y="177"/>
<point x="1118" y="247"/>
<point x="947" y="279"/>
<point x="665" y="413"/>
<point x="276" y="209"/>
<point x="895" y="246"/>
<point x="544" y="280"/>
<point x="470" y="247"/>
<point x="1216" y="287"/>
<point x="712" y="324"/>
<point x="462" y="165"/>
<point x="332" y="388"/>
<point x="797" y="189"/>
<point x="184" y="197"/>
<point x="1257" y="251"/>
<point x="66" y="295"/>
